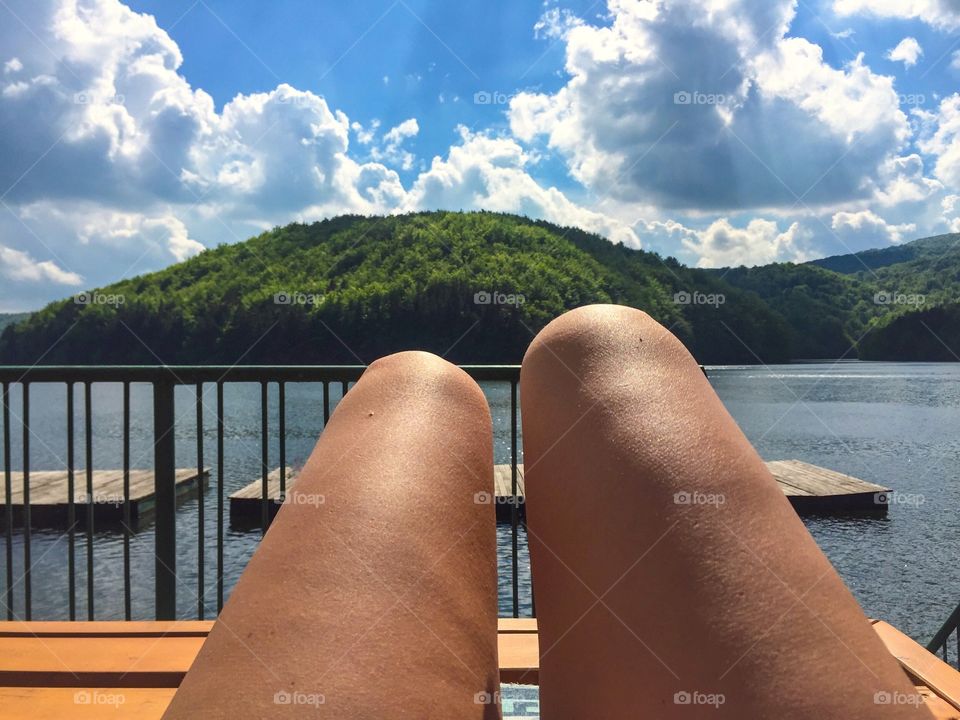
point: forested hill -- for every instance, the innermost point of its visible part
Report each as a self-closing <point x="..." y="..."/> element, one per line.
<point x="474" y="287"/>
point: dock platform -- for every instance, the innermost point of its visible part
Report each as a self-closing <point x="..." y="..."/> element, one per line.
<point x="49" y="500"/>
<point x="811" y="490"/>
<point x="80" y="670"/>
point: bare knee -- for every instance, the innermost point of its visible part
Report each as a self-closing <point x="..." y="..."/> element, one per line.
<point x="597" y="340"/>
<point x="425" y="376"/>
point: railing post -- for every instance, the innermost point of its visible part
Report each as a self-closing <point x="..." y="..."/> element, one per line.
<point x="165" y="507"/>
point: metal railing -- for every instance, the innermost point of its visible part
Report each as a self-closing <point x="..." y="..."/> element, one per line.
<point x="941" y="641"/>
<point x="164" y="379"/>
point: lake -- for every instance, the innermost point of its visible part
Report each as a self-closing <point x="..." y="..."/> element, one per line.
<point x="888" y="423"/>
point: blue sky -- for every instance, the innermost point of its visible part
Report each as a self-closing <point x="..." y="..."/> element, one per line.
<point x="718" y="131"/>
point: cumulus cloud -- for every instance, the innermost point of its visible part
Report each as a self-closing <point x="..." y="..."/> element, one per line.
<point x="18" y="265"/>
<point x="940" y="138"/>
<point x="643" y="118"/>
<point x="487" y="172"/>
<point x="907" y="51"/>
<point x="392" y="150"/>
<point x="556" y="23"/>
<point x="943" y="14"/>
<point x="866" y="228"/>
<point x="723" y="244"/>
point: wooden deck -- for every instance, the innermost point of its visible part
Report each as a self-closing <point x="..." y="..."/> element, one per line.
<point x="49" y="497"/>
<point x="810" y="489"/>
<point x="126" y="670"/>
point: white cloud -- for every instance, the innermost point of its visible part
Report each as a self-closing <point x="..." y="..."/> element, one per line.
<point x="943" y="14"/>
<point x="486" y="172"/>
<point x="18" y="265"/>
<point x="391" y="150"/>
<point x="689" y="109"/>
<point x="556" y="23"/>
<point x="867" y="228"/>
<point x="907" y="51"/>
<point x="722" y="244"/>
<point x="940" y="137"/>
<point x="13" y="65"/>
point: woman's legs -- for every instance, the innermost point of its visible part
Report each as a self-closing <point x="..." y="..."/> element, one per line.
<point x="672" y="578"/>
<point x="374" y="593"/>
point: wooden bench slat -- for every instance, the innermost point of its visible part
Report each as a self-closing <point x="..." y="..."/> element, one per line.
<point x="96" y="661"/>
<point x="45" y="703"/>
<point x="921" y="664"/>
<point x="106" y="628"/>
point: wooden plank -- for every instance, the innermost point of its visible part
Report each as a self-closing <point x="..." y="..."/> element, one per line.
<point x="921" y="664"/>
<point x="938" y="707"/>
<point x="519" y="654"/>
<point x="105" y="628"/>
<point x="45" y="675"/>
<point x="93" y="703"/>
<point x="117" y="661"/>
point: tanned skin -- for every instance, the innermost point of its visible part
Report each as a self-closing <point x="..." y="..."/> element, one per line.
<point x="672" y="577"/>
<point x="374" y="593"/>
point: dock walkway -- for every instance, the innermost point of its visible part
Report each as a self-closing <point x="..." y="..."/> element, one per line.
<point x="49" y="499"/>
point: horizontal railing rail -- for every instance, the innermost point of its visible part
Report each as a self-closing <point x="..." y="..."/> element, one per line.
<point x="164" y="379"/>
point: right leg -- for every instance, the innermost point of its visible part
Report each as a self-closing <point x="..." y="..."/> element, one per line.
<point x="672" y="578"/>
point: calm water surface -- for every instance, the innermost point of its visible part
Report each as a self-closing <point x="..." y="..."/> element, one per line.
<point x="893" y="424"/>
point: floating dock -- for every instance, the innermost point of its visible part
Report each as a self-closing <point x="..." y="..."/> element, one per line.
<point x="49" y="502"/>
<point x="131" y="670"/>
<point x="812" y="490"/>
